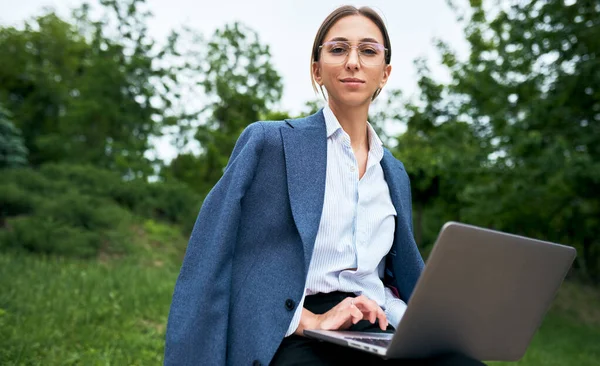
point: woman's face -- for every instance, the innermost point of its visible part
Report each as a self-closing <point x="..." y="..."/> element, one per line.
<point x="351" y="83"/>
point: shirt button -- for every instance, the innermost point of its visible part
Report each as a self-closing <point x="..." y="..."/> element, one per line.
<point x="352" y="168"/>
<point x="290" y="304"/>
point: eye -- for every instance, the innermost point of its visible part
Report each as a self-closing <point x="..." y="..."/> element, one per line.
<point x="338" y="48"/>
<point x="368" y="50"/>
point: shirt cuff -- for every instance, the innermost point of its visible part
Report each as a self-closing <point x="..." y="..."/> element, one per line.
<point x="296" y="319"/>
<point x="394" y="308"/>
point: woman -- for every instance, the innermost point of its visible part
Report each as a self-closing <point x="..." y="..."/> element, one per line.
<point x="310" y="226"/>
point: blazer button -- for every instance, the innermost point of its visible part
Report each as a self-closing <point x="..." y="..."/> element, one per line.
<point x="256" y="363"/>
<point x="290" y="304"/>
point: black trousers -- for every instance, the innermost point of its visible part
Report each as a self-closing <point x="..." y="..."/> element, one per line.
<point x="297" y="350"/>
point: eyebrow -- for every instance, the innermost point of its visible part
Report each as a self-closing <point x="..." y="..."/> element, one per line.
<point x="344" y="39"/>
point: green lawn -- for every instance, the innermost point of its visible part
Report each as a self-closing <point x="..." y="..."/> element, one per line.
<point x="56" y="312"/>
<point x="63" y="312"/>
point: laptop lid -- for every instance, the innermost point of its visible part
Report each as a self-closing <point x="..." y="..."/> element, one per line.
<point x="483" y="293"/>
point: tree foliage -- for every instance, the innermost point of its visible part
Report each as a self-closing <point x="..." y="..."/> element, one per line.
<point x="511" y="142"/>
<point x="12" y="147"/>
<point x="241" y="85"/>
<point x="441" y="151"/>
<point x="83" y="92"/>
<point x="530" y="91"/>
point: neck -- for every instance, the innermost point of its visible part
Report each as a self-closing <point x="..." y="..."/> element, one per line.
<point x="354" y="122"/>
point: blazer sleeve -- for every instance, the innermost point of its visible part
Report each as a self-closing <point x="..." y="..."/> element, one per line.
<point x="198" y="319"/>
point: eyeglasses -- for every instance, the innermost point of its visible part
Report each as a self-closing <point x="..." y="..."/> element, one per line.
<point x="369" y="53"/>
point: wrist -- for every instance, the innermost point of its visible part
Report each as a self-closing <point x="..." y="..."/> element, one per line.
<point x="308" y="320"/>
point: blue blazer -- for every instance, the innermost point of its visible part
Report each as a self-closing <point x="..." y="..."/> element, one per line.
<point x="246" y="264"/>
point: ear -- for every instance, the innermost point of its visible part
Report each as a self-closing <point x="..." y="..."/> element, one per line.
<point x="387" y="70"/>
<point x="316" y="71"/>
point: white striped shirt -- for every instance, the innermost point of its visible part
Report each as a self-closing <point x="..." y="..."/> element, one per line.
<point x="356" y="229"/>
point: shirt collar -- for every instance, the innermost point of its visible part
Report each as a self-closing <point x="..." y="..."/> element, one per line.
<point x="331" y="122"/>
<point x="333" y="125"/>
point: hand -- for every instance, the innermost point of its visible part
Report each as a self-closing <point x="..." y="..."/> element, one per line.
<point x="348" y="312"/>
<point x="351" y="311"/>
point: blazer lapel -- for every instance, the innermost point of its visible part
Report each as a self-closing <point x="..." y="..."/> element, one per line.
<point x="305" y="147"/>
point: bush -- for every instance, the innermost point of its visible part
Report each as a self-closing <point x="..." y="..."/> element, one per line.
<point x="31" y="181"/>
<point x="168" y="201"/>
<point x="69" y="224"/>
<point x="82" y="211"/>
<point x="174" y="202"/>
<point x="85" y="212"/>
<point x="133" y="195"/>
<point x="42" y="235"/>
<point x="14" y="201"/>
<point x="86" y="179"/>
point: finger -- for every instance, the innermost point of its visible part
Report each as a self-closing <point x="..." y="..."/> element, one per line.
<point x="363" y="303"/>
<point x="369" y="314"/>
<point x="369" y="308"/>
<point x="383" y="322"/>
<point x="357" y="315"/>
<point x="344" y="312"/>
<point x="361" y="299"/>
<point x="373" y="317"/>
<point x="375" y="312"/>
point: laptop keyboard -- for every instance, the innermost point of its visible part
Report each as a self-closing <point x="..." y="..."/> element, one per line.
<point x="374" y="341"/>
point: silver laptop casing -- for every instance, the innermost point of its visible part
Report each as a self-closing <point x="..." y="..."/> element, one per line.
<point x="483" y="293"/>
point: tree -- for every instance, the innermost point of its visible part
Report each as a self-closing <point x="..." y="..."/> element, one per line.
<point x="13" y="152"/>
<point x="441" y="152"/>
<point x="241" y="86"/>
<point x="532" y="84"/>
<point x="84" y="92"/>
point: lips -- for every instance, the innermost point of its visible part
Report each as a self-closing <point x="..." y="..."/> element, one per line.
<point x="352" y="80"/>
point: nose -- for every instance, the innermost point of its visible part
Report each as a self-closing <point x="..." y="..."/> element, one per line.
<point x="353" y="61"/>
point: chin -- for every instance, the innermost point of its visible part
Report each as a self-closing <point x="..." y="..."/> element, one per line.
<point x="353" y="100"/>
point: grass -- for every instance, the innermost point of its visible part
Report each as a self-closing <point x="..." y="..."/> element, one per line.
<point x="560" y="341"/>
<point x="113" y="312"/>
<point x="56" y="312"/>
<point x="110" y="311"/>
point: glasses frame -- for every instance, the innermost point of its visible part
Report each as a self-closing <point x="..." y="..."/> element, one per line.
<point x="350" y="48"/>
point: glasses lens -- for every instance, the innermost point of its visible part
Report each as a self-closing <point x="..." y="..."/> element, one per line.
<point x="335" y="52"/>
<point x="370" y="54"/>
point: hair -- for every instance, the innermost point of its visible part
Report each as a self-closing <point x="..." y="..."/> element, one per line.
<point x="337" y="14"/>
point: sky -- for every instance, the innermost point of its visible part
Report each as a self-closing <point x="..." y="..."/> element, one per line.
<point x="412" y="26"/>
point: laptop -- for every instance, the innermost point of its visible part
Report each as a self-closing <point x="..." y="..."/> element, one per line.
<point x="483" y="293"/>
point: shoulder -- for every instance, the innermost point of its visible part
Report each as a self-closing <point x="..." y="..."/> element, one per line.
<point x="315" y="120"/>
<point x="268" y="127"/>
<point x="262" y="132"/>
<point x="396" y="163"/>
<point x="270" y="131"/>
<point x="264" y="128"/>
